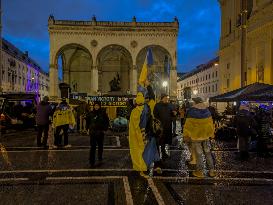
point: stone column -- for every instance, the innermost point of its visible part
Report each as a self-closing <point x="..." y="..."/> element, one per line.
<point x="66" y="76"/>
<point x="173" y="83"/>
<point x="133" y="80"/>
<point x="268" y="60"/>
<point x="53" y="80"/>
<point x="95" y="79"/>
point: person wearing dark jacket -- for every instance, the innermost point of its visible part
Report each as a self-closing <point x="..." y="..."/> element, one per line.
<point x="98" y="122"/>
<point x="42" y="121"/>
<point x="263" y="130"/>
<point x="164" y="112"/>
<point x="244" y="122"/>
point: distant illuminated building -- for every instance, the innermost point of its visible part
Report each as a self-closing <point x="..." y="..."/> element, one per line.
<point x="202" y="82"/>
<point x="259" y="43"/>
<point x="20" y="73"/>
<point x="94" y="53"/>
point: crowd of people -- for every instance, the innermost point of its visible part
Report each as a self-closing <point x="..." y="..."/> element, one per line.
<point x="152" y="128"/>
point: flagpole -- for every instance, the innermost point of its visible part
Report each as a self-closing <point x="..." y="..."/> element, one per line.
<point x="1" y="46"/>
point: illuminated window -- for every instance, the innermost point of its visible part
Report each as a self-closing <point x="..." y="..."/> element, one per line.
<point x="228" y="65"/>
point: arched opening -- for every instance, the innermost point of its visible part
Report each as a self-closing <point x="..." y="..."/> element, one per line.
<point x="74" y="64"/>
<point x="160" y="70"/>
<point x="114" y="63"/>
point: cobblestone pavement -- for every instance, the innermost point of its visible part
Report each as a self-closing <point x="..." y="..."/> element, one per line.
<point x="63" y="176"/>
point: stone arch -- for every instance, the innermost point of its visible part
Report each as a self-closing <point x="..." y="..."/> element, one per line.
<point x="112" y="60"/>
<point x="162" y="64"/>
<point x="76" y="66"/>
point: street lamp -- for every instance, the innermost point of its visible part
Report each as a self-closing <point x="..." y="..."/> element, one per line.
<point x="216" y="64"/>
<point x="195" y="92"/>
<point x="165" y="84"/>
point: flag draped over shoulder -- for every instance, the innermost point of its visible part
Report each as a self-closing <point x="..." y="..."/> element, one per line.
<point x="142" y="144"/>
<point x="198" y="125"/>
<point x="144" y="71"/>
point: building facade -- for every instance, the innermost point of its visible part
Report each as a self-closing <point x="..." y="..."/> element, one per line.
<point x="20" y="73"/>
<point x="202" y="82"/>
<point x="259" y="43"/>
<point x="94" y="53"/>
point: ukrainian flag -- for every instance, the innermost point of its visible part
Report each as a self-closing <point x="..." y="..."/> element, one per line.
<point x="144" y="71"/>
<point x="198" y="125"/>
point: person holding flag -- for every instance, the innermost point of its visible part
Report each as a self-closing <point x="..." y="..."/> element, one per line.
<point x="142" y="143"/>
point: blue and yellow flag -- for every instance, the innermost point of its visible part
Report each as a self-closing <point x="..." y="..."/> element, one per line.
<point x="144" y="71"/>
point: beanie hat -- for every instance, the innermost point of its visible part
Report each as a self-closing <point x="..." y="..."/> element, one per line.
<point x="163" y="95"/>
<point x="197" y="100"/>
<point x="97" y="103"/>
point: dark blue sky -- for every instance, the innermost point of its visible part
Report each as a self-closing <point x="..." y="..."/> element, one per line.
<point x="25" y="23"/>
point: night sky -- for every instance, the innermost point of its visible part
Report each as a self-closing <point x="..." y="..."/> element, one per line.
<point x="25" y="23"/>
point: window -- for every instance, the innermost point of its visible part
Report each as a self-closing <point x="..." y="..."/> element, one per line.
<point x="229" y="26"/>
<point x="206" y="77"/>
<point x="209" y="89"/>
<point x="260" y="73"/>
<point x="203" y="89"/>
<point x="206" y="89"/>
<point x="215" y="87"/>
<point x="212" y="88"/>
<point x="228" y="66"/>
<point x="215" y="73"/>
<point x="209" y="76"/>
<point x="227" y="83"/>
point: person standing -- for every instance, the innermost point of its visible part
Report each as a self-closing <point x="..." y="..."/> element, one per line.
<point x="244" y="122"/>
<point x="199" y="128"/>
<point x="164" y="112"/>
<point x="62" y="118"/>
<point x="182" y="115"/>
<point x="42" y="120"/>
<point x="98" y="123"/>
<point x="143" y="149"/>
<point x="174" y="118"/>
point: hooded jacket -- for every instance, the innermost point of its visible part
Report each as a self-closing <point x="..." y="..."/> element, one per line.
<point x="43" y="112"/>
<point x="199" y="124"/>
<point x="63" y="116"/>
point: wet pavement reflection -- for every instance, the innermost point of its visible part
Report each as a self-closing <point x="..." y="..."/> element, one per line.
<point x="32" y="175"/>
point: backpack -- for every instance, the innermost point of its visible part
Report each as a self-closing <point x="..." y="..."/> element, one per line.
<point x="157" y="128"/>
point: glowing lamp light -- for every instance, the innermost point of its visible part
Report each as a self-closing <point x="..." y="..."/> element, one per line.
<point x="216" y="64"/>
<point x="165" y="84"/>
<point x="235" y="103"/>
<point x="195" y="92"/>
<point x="32" y="78"/>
